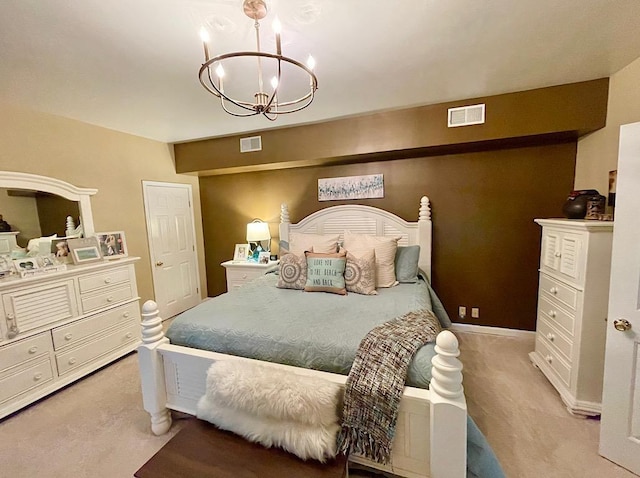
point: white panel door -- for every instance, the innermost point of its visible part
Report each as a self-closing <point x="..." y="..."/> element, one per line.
<point x="171" y="233"/>
<point x="620" y="426"/>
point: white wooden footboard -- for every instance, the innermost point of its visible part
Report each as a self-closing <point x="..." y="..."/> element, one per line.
<point x="431" y="431"/>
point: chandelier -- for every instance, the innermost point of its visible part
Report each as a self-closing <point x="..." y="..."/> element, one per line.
<point x="269" y="102"/>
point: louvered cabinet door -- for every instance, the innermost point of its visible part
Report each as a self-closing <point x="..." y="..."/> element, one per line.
<point x="35" y="307"/>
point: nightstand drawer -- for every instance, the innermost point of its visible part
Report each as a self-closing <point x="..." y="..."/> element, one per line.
<point x="564" y="294"/>
<point x="549" y="310"/>
<point x="95" y="325"/>
<point x="555" y="339"/>
<point x="101" y="280"/>
<point x="242" y="275"/>
<point x="27" y="349"/>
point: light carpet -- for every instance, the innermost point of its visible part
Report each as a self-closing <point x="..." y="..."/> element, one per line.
<point x="97" y="427"/>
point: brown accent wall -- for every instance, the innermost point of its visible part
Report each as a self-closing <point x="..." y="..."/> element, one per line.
<point x="486" y="245"/>
<point x="53" y="211"/>
<point x="566" y="110"/>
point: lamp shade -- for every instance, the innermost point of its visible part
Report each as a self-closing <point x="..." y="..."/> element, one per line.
<point x="258" y="231"/>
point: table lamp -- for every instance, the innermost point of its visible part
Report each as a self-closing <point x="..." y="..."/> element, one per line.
<point x="258" y="231"/>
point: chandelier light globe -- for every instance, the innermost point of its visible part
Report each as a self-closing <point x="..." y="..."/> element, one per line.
<point x="269" y="102"/>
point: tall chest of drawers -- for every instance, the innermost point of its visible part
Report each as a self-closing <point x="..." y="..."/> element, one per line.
<point x="57" y="327"/>
<point x="573" y="294"/>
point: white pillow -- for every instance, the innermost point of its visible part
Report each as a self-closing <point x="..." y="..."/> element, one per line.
<point x="325" y="244"/>
<point x="385" y="252"/>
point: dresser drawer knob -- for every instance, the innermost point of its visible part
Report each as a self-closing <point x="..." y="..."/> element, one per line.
<point x="552" y="313"/>
<point x="558" y="254"/>
<point x="244" y="276"/>
<point x="549" y="358"/>
<point x="553" y="290"/>
<point x="68" y="336"/>
<point x="126" y="315"/>
<point x="110" y="299"/>
<point x="37" y="377"/>
<point x="551" y="337"/>
<point x="33" y="349"/>
<point x="107" y="280"/>
<point x="129" y="335"/>
<point x="72" y="360"/>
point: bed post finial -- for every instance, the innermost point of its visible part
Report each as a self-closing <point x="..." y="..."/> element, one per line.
<point x="284" y="213"/>
<point x="425" y="209"/>
<point x="447" y="369"/>
<point x="151" y="323"/>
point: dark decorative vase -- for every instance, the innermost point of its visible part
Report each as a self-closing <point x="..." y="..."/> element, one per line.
<point x="576" y="205"/>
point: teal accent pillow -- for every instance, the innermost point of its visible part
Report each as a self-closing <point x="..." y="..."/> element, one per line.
<point x="407" y="263"/>
<point x="325" y="272"/>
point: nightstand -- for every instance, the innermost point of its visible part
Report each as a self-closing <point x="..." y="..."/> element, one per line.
<point x="238" y="273"/>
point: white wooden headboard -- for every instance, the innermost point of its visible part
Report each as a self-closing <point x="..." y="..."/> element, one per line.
<point x="366" y="220"/>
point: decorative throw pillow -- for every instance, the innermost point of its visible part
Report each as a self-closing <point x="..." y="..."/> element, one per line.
<point x="292" y="272"/>
<point x="325" y="272"/>
<point x="407" y="263"/>
<point x="360" y="273"/>
<point x="300" y="243"/>
<point x="385" y="252"/>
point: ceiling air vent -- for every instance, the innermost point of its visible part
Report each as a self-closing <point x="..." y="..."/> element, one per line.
<point x="254" y="143"/>
<point x="466" y="115"/>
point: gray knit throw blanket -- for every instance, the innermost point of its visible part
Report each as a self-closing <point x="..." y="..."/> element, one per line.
<point x="376" y="381"/>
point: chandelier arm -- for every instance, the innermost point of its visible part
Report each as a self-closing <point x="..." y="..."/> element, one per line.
<point x="214" y="90"/>
<point x="275" y="90"/>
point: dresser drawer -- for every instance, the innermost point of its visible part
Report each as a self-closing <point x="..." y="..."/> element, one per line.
<point x="548" y="309"/>
<point x="108" y="297"/>
<point x="34" y="376"/>
<point x="23" y="350"/>
<point x="551" y="357"/>
<point x="567" y="296"/>
<point x="92" y="282"/>
<point x="555" y="339"/>
<point x="73" y="333"/>
<point x="76" y="358"/>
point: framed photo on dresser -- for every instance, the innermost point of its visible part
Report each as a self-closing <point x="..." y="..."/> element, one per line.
<point x="83" y="250"/>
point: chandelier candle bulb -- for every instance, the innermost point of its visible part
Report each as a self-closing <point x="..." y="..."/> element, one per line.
<point x="277" y="28"/>
<point x="204" y="35"/>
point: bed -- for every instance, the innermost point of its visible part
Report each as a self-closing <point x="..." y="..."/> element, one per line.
<point x="431" y="434"/>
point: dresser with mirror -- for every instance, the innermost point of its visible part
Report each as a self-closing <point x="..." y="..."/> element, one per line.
<point x="57" y="326"/>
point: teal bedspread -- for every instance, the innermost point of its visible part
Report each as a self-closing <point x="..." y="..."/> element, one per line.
<point x="319" y="331"/>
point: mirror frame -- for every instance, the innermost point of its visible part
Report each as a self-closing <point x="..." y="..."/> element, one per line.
<point x="15" y="180"/>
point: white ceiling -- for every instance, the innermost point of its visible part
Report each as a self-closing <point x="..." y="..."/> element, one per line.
<point x="131" y="65"/>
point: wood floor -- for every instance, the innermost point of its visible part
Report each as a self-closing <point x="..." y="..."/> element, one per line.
<point x="97" y="427"/>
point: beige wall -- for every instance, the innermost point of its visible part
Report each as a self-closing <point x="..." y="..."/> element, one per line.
<point x="89" y="156"/>
<point x="598" y="152"/>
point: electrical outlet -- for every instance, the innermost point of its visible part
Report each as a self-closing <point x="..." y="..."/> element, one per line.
<point x="462" y="312"/>
<point x="475" y="312"/>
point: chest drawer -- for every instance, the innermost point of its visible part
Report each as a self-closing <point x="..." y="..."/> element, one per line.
<point x="34" y="376"/>
<point x="557" y="316"/>
<point x="73" y="333"/>
<point x="107" y="298"/>
<point x="76" y="358"/>
<point x="555" y="339"/>
<point x="23" y="350"/>
<point x="93" y="282"/>
<point x="561" y="369"/>
<point x="567" y="296"/>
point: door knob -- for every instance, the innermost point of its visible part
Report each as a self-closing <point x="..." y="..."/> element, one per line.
<point x="159" y="263"/>
<point x="622" y="325"/>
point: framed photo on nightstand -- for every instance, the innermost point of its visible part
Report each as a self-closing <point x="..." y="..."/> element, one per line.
<point x="241" y="253"/>
<point x="263" y="258"/>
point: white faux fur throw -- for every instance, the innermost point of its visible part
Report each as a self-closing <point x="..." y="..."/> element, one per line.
<point x="273" y="407"/>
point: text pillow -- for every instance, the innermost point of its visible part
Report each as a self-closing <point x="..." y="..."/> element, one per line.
<point x="325" y="272"/>
<point x="360" y="273"/>
<point x="292" y="272"/>
<point x="385" y="252"/>
<point x="300" y="243"/>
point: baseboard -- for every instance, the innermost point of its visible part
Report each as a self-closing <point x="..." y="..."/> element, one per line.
<point x="483" y="329"/>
